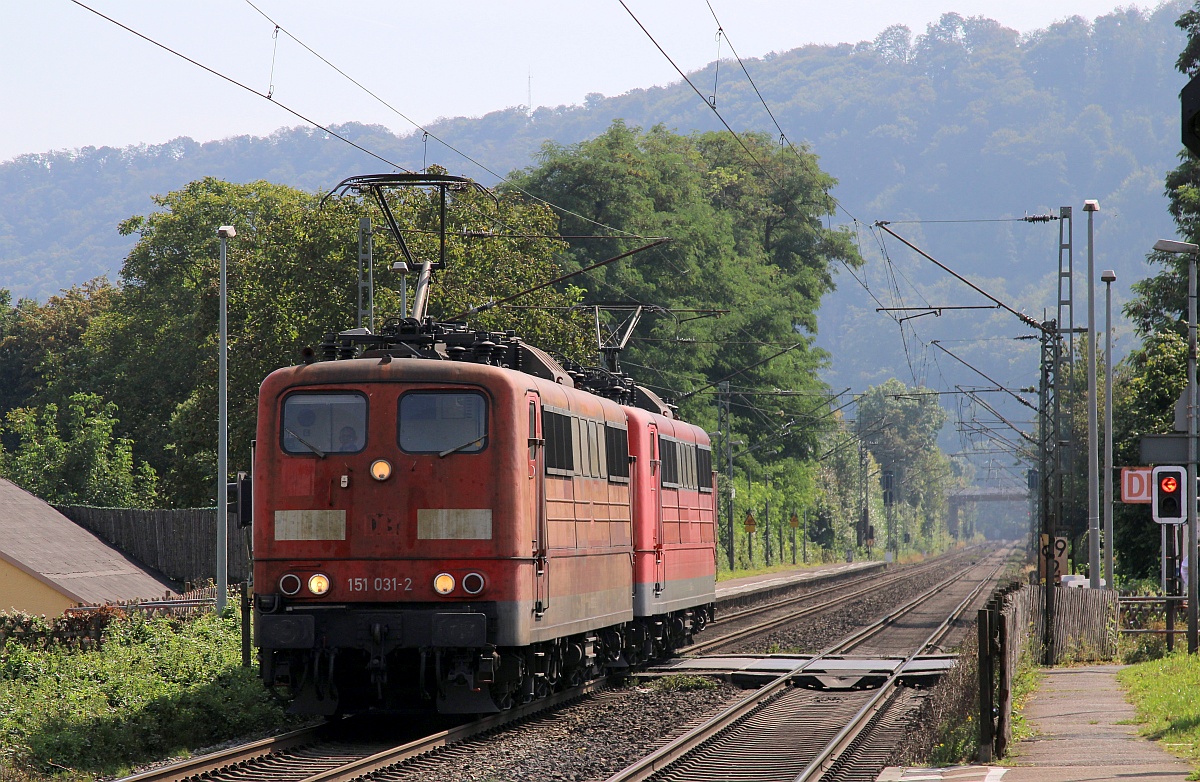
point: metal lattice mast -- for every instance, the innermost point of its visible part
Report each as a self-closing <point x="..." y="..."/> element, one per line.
<point x="1063" y="380"/>
<point x="725" y="427"/>
<point x="1050" y="487"/>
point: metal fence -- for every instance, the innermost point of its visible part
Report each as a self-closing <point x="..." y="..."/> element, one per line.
<point x="180" y="544"/>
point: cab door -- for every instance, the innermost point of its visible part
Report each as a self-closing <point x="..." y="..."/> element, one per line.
<point x="660" y="564"/>
<point x="536" y="475"/>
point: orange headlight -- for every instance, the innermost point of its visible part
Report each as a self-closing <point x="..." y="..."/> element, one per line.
<point x="443" y="583"/>
<point x="381" y="469"/>
<point x="318" y="583"/>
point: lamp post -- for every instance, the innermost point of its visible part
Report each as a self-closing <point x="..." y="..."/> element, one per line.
<point x="1108" y="276"/>
<point x="1169" y="246"/>
<point x="226" y="232"/>
<point x="1091" y="207"/>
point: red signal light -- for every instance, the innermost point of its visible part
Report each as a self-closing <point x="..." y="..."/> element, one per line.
<point x="1168" y="484"/>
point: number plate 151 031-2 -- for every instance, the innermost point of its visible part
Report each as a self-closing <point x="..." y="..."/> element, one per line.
<point x="379" y="584"/>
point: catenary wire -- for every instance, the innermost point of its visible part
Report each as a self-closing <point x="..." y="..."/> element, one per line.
<point x="237" y="83"/>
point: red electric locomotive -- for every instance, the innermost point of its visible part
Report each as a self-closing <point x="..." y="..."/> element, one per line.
<point x="450" y="517"/>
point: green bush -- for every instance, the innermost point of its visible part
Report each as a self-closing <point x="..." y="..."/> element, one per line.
<point x="1143" y="648"/>
<point x="156" y="687"/>
<point x="679" y="682"/>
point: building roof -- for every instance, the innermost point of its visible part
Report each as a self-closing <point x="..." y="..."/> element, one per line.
<point x="42" y="542"/>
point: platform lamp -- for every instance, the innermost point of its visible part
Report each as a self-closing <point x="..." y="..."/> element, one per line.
<point x="1189" y="249"/>
<point x="225" y="232"/>
<point x="1093" y="495"/>
<point x="1108" y="277"/>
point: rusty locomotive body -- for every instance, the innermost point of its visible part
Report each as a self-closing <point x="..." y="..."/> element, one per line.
<point x="450" y="518"/>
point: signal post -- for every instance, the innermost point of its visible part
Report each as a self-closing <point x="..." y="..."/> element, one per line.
<point x="1168" y="506"/>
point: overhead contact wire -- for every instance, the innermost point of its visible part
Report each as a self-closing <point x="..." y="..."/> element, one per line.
<point x="237" y="83"/>
<point x="439" y="139"/>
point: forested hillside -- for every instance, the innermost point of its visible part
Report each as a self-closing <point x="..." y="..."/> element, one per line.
<point x="964" y="120"/>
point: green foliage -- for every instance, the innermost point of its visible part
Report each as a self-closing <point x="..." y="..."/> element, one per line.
<point x="151" y="346"/>
<point x="155" y="688"/>
<point x="1145" y="388"/>
<point x="681" y="682"/>
<point x="1163" y="691"/>
<point x="41" y="344"/>
<point x="1153" y="376"/>
<point x="910" y="124"/>
<point x="900" y="427"/>
<point x="1143" y="648"/>
<point x="746" y="237"/>
<point x="75" y="458"/>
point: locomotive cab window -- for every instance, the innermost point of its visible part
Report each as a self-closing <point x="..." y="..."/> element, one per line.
<point x="324" y="423"/>
<point x="442" y="421"/>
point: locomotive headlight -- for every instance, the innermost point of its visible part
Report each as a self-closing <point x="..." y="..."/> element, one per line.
<point x="289" y="584"/>
<point x="381" y="469"/>
<point x="443" y="583"/>
<point x="473" y="583"/>
<point x="318" y="583"/>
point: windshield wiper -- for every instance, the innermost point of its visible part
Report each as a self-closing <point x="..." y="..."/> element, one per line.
<point x="307" y="444"/>
<point x="467" y="444"/>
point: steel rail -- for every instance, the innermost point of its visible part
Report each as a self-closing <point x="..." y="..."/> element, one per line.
<point x="397" y="755"/>
<point x="208" y="765"/>
<point x="771" y="624"/>
<point x="223" y="759"/>
<point x="666" y="755"/>
<point x="847" y="735"/>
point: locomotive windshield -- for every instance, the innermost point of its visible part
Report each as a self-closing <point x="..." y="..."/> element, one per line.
<point x="324" y="423"/>
<point x="442" y="422"/>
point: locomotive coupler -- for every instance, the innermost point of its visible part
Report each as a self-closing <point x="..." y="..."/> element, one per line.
<point x="421" y="674"/>
<point x="377" y="667"/>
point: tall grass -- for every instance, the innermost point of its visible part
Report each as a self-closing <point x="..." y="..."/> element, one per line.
<point x="1164" y="692"/>
<point x="154" y="688"/>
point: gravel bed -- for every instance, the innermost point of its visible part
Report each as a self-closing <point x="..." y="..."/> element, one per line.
<point x="587" y="740"/>
<point x="818" y="632"/>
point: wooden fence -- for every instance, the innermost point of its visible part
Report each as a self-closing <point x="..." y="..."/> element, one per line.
<point x="180" y="544"/>
<point x="1013" y="624"/>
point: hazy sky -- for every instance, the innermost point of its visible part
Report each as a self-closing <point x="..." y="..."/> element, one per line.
<point x="72" y="79"/>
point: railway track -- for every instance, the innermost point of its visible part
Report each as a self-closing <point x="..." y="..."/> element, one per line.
<point x="787" y="733"/>
<point x="743" y="625"/>
<point x="324" y="753"/>
<point x="319" y="754"/>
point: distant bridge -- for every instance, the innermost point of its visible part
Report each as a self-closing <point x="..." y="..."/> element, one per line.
<point x="981" y="495"/>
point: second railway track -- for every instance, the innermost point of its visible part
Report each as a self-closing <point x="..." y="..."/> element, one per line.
<point x="782" y="733"/>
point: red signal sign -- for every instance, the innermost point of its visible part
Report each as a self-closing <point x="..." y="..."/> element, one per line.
<point x="1170" y="495"/>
